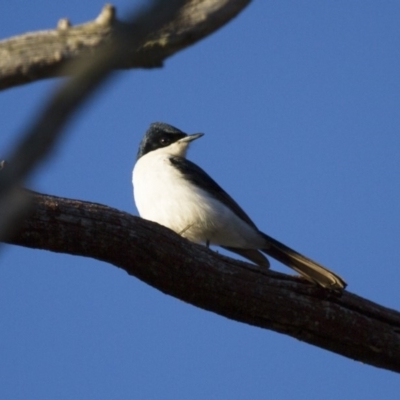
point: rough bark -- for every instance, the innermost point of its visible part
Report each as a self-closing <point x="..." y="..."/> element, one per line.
<point x="340" y="322"/>
<point x="39" y="55"/>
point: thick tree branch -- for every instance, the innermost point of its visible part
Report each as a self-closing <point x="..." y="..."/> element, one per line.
<point x="342" y="323"/>
<point x="41" y="55"/>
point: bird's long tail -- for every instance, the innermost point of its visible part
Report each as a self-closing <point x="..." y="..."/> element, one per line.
<point x="311" y="270"/>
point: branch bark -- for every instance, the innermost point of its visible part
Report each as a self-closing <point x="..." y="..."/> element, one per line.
<point x="44" y="54"/>
<point x="342" y="323"/>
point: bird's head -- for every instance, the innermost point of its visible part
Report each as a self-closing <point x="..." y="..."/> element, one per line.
<point x="166" y="138"/>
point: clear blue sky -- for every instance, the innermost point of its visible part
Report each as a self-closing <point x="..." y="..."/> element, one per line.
<point x="299" y="101"/>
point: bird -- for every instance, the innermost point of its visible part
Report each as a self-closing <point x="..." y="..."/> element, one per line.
<point x="174" y="192"/>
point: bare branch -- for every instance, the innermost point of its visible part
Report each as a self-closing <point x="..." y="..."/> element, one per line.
<point x="345" y="324"/>
<point x="43" y="54"/>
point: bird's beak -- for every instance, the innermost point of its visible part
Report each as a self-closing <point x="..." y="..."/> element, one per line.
<point x="190" y="138"/>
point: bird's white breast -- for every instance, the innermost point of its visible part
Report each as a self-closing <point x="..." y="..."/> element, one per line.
<point x="162" y="195"/>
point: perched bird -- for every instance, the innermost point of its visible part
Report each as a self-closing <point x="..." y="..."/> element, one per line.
<point x="176" y="193"/>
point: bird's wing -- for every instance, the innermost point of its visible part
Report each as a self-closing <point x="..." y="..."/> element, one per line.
<point x="200" y="178"/>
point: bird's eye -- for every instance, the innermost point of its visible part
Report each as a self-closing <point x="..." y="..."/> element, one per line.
<point x="164" y="141"/>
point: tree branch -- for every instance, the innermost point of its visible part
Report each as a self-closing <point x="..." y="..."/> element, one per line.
<point x="44" y="54"/>
<point x="343" y="323"/>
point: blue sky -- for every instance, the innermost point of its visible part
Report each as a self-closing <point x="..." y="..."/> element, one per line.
<point x="299" y="102"/>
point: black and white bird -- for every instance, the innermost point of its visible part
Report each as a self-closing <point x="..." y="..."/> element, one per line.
<point x="176" y="193"/>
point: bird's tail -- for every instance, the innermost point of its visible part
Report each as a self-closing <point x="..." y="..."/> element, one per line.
<point x="311" y="270"/>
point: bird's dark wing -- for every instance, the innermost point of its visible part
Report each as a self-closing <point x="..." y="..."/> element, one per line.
<point x="200" y="178"/>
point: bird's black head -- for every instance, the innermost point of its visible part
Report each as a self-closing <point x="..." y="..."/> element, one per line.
<point x="161" y="135"/>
